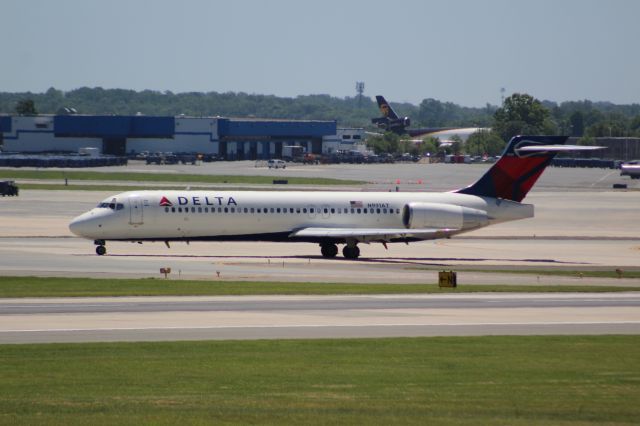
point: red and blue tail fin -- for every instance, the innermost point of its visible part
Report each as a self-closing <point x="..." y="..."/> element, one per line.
<point x="521" y="164"/>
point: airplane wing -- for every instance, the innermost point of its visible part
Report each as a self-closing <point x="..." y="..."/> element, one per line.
<point x="372" y="234"/>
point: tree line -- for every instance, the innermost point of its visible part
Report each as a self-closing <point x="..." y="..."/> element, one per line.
<point x="519" y="113"/>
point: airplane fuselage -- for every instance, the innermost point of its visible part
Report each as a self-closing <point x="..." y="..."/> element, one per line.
<point x="274" y="216"/>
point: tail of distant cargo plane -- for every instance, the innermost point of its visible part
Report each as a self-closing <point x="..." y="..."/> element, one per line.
<point x="385" y="108"/>
<point x="390" y="120"/>
<point x="521" y="164"/>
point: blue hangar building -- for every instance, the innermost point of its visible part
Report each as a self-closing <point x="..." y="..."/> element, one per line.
<point x="231" y="138"/>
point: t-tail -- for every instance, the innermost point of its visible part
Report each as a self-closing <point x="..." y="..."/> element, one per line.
<point x="521" y="164"/>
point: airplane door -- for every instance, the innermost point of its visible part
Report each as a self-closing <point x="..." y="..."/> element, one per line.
<point x="135" y="211"/>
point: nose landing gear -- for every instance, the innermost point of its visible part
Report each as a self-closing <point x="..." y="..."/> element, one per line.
<point x="101" y="250"/>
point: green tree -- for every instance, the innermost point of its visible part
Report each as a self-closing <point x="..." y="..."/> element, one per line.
<point x="430" y="145"/>
<point x="456" y="144"/>
<point x="387" y="143"/>
<point x="484" y="142"/>
<point x="521" y="114"/>
<point x="26" y="107"/>
<point x="576" y="119"/>
<point x="587" y="141"/>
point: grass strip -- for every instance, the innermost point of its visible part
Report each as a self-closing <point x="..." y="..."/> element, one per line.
<point x="604" y="273"/>
<point x="90" y="287"/>
<point x="507" y="380"/>
<point x="165" y="177"/>
<point x="124" y="187"/>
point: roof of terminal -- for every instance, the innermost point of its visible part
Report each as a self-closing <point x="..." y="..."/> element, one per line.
<point x="142" y="126"/>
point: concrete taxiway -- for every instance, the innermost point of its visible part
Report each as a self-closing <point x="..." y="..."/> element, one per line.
<point x="580" y="223"/>
<point x="571" y="230"/>
<point x="274" y="317"/>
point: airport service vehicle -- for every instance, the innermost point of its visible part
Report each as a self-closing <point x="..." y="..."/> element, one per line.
<point x="276" y="164"/>
<point x="325" y="218"/>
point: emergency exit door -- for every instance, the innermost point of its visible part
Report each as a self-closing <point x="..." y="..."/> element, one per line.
<point x="136" y="215"/>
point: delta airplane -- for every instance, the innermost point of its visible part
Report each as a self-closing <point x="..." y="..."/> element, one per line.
<point x="325" y="218"/>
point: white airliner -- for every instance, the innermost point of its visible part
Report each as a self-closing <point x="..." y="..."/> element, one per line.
<point x="325" y="218"/>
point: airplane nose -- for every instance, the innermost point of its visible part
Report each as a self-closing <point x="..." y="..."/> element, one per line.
<point x="80" y="225"/>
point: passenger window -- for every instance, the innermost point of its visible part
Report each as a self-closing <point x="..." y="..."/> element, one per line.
<point x="252" y="210"/>
<point x="271" y="210"/>
<point x="298" y="210"/>
<point x="245" y="210"/>
<point x="226" y="210"/>
<point x="326" y="210"/>
<point x="193" y="209"/>
<point x="233" y="209"/>
<point x="278" y="210"/>
<point x="311" y="210"/>
<point x="352" y="211"/>
<point x="364" y="211"/>
<point x="304" y="210"/>
<point x="166" y="209"/>
<point x="359" y="211"/>
<point x="384" y="211"/>
<point x="290" y="209"/>
<point x="378" y="211"/>
<point x="179" y="209"/>
<point x="206" y="209"/>
<point x="265" y="210"/>
<point x="173" y="209"/>
<point x="397" y="211"/>
<point x="333" y="211"/>
<point x="199" y="209"/>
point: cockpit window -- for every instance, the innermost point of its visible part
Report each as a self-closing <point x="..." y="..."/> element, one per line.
<point x="112" y="206"/>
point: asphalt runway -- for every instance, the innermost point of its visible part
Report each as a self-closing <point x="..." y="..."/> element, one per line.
<point x="276" y="317"/>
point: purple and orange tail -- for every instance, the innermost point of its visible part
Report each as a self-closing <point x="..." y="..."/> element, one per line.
<point x="521" y="164"/>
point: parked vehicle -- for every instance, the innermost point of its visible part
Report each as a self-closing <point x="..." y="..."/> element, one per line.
<point x="276" y="164"/>
<point x="8" y="187"/>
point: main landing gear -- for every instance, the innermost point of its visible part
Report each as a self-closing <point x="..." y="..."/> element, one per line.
<point x="330" y="250"/>
<point x="101" y="250"/>
<point x="351" y="252"/>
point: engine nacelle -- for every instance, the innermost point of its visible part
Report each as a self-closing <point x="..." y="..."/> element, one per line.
<point x="442" y="216"/>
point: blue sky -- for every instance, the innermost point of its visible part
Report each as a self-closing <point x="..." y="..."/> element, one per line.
<point x="461" y="51"/>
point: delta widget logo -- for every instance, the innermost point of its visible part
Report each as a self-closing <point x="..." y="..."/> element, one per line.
<point x="164" y="202"/>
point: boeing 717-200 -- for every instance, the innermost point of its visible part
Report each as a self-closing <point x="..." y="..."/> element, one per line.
<point x="325" y="218"/>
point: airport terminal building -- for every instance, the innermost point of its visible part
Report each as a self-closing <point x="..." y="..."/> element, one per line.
<point x="229" y="138"/>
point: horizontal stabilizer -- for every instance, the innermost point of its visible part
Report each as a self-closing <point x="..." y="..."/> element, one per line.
<point x="371" y="234"/>
<point x="558" y="148"/>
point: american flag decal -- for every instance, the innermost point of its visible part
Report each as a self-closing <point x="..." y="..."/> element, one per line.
<point x="355" y="204"/>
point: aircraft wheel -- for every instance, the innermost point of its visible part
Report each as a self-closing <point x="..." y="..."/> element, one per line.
<point x="328" y="250"/>
<point x="101" y="250"/>
<point x="351" y="252"/>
